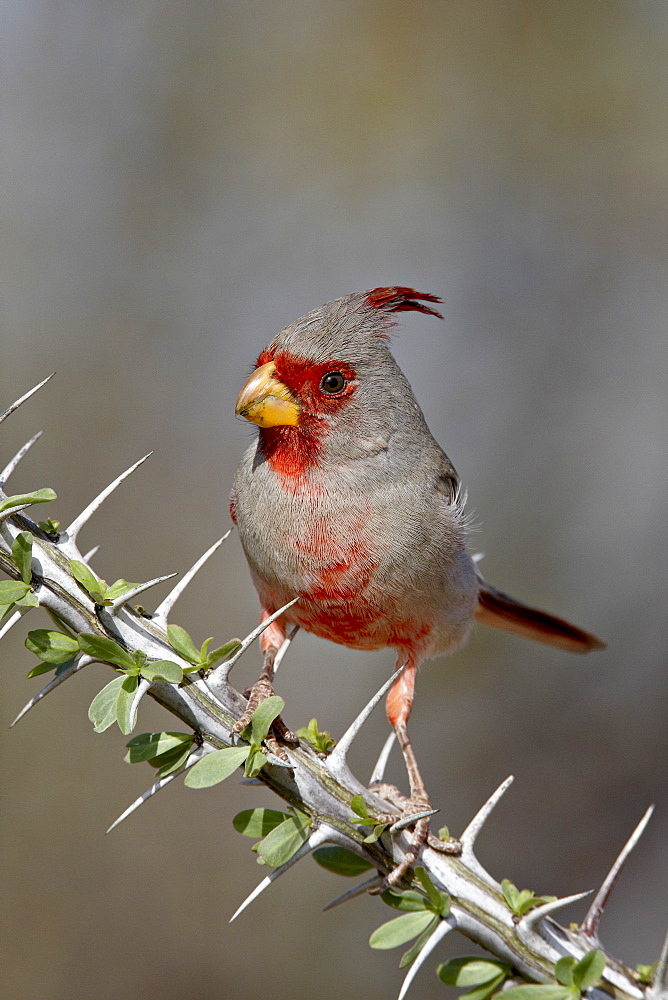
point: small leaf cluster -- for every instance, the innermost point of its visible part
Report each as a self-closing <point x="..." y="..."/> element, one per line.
<point x="485" y="975"/>
<point x="220" y="764"/>
<point x="574" y="978"/>
<point x="421" y="918"/>
<point x="322" y="742"/>
<point x="521" y="901"/>
<point x="18" y="592"/>
<point x="56" y="650"/>
<point x="115" y="702"/>
<point x="167" y="752"/>
<point x="282" y="833"/>
<point x="200" y="659"/>
<point x="97" y="589"/>
<point x="645" y="973"/>
<point x="364" y="818"/>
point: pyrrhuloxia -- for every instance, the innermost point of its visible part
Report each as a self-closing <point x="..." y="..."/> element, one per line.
<point x="346" y="501"/>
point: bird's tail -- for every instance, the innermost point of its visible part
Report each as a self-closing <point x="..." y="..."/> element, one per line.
<point x="504" y="612"/>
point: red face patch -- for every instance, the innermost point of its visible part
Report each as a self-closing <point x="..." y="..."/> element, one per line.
<point x="292" y="450"/>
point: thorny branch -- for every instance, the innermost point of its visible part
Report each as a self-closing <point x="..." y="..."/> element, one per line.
<point x="321" y="787"/>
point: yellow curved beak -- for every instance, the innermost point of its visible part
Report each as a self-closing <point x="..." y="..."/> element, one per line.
<point x="266" y="401"/>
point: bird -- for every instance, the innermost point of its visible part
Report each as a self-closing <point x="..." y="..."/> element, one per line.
<point x="345" y="501"/>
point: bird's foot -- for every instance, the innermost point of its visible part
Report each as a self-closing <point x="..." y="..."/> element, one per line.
<point x="260" y="691"/>
<point x="415" y="812"/>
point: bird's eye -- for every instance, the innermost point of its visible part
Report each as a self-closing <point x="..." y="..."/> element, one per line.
<point x="333" y="382"/>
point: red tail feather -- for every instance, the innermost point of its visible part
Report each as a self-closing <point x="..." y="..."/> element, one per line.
<point x="504" y="612"/>
<point x="398" y="298"/>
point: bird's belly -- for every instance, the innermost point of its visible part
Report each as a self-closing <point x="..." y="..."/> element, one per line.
<point x="368" y="573"/>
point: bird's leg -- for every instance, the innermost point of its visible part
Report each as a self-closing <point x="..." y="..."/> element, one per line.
<point x="398" y="707"/>
<point x="271" y="641"/>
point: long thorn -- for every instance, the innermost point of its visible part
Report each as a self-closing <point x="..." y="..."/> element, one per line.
<point x="533" y="918"/>
<point x="156" y="786"/>
<point x="220" y="674"/>
<point x="55" y="682"/>
<point x="78" y="523"/>
<point x="358" y="890"/>
<point x="130" y="595"/>
<point x="591" y="922"/>
<point x="378" y="772"/>
<point x="468" y="838"/>
<point x="163" y="609"/>
<point x="317" y="838"/>
<point x="285" y="645"/>
<point x="91" y="552"/>
<point x="27" y="395"/>
<point x="405" y="821"/>
<point x="9" y="468"/>
<point x="443" y="928"/>
<point x="338" y="754"/>
<point x="12" y="620"/>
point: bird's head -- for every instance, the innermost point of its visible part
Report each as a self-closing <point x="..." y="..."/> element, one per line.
<point x="329" y="381"/>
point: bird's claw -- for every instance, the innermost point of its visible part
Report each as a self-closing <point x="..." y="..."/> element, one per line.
<point x="414" y="812"/>
<point x="261" y="690"/>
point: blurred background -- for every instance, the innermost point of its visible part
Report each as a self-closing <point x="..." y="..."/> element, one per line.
<point x="180" y="181"/>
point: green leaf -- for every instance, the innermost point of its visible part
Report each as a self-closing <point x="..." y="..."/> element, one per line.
<point x="485" y="990"/>
<point x="106" y="650"/>
<point x="38" y="496"/>
<point x="401" y="929"/>
<point x="12" y="591"/>
<point x="440" y="901"/>
<point x="563" y="970"/>
<point x="532" y="991"/>
<point x="85" y="576"/>
<point x="162" y="670"/>
<point x="22" y="555"/>
<point x="588" y="970"/>
<point x="320" y="741"/>
<point x="284" y="840"/>
<point x="209" y="660"/>
<point x="254" y="762"/>
<point x="340" y="861"/>
<point x="102" y="711"/>
<point x="50" y="646"/>
<point x="469" y="970"/>
<point x="376" y="833"/>
<point x="409" y="901"/>
<point x="215" y="767"/>
<point x="117" y="589"/>
<point x="182" y="644"/>
<point x="258" y="822"/>
<point x="149" y="745"/>
<point x="413" y="952"/>
<point x="126" y="694"/>
<point x="49" y="527"/>
<point x="28" y="600"/>
<point x="359" y="807"/>
<point x="171" y="762"/>
<point x="41" y="668"/>
<point x="263" y="716"/>
<point x="5" y="609"/>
